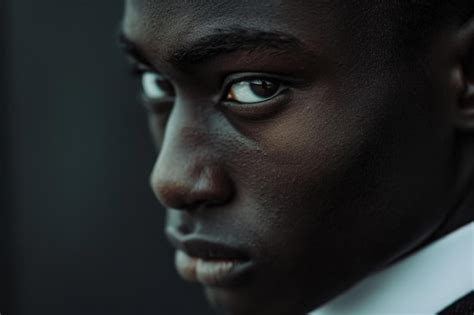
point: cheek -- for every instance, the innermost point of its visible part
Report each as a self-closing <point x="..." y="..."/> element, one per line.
<point x="329" y="170"/>
<point x="297" y="173"/>
<point x="309" y="150"/>
<point x="342" y="179"/>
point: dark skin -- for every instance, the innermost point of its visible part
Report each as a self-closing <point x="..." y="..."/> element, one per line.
<point x="353" y="157"/>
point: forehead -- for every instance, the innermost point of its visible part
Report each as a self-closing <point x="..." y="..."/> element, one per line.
<point x="169" y="22"/>
<point x="249" y="11"/>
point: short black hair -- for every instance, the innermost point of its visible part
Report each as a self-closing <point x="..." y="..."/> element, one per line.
<point x="433" y="14"/>
<point x="418" y="22"/>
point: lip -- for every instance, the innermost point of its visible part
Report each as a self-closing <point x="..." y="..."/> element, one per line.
<point x="211" y="263"/>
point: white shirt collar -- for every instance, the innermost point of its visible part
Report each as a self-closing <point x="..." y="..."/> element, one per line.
<point x="421" y="284"/>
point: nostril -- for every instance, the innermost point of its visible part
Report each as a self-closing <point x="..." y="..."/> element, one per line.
<point x="185" y="228"/>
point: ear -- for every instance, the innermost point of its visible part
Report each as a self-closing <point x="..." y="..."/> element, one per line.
<point x="465" y="77"/>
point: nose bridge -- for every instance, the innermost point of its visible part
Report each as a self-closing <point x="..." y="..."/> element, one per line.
<point x="182" y="156"/>
<point x="184" y="141"/>
<point x="187" y="172"/>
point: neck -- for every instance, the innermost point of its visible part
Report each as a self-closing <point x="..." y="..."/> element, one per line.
<point x="462" y="211"/>
<point x="462" y="215"/>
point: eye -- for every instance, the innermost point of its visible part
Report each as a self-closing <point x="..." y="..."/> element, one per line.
<point x="253" y="91"/>
<point x="155" y="86"/>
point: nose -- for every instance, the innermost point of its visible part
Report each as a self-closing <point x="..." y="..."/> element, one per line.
<point x="187" y="185"/>
<point x="188" y="174"/>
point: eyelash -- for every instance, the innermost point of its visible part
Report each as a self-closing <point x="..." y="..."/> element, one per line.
<point x="248" y="81"/>
<point x="161" y="104"/>
<point x="137" y="70"/>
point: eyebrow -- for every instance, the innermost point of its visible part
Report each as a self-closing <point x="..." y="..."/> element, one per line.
<point x="221" y="42"/>
<point x="230" y="40"/>
<point x="131" y="49"/>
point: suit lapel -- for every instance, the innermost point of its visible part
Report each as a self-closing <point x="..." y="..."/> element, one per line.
<point x="463" y="306"/>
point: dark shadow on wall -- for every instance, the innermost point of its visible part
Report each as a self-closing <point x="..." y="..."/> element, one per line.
<point x="87" y="231"/>
<point x="6" y="270"/>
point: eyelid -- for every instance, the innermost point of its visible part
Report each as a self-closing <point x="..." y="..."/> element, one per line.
<point x="233" y="95"/>
<point x="258" y="111"/>
<point x="135" y="65"/>
<point x="161" y="106"/>
<point x="265" y="108"/>
<point x="139" y="67"/>
<point x="249" y="76"/>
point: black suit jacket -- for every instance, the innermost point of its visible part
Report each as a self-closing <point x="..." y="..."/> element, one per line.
<point x="463" y="306"/>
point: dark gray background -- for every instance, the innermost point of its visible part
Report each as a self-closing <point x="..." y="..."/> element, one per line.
<point x="85" y="232"/>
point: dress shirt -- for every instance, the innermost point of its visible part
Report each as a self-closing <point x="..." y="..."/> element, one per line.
<point x="423" y="283"/>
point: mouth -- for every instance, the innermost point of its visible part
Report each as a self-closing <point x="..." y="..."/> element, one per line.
<point x="208" y="262"/>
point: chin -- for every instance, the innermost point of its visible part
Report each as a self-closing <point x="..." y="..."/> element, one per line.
<point x="243" y="301"/>
<point x="231" y="302"/>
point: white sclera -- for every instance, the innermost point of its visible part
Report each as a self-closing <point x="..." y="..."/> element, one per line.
<point x="242" y="92"/>
<point x="151" y="88"/>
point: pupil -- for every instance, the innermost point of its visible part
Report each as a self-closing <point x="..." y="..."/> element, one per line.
<point x="263" y="88"/>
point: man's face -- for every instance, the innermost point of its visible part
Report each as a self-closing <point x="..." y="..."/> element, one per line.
<point x="300" y="135"/>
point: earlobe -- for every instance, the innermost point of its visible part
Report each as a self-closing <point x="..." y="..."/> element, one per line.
<point x="465" y="108"/>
